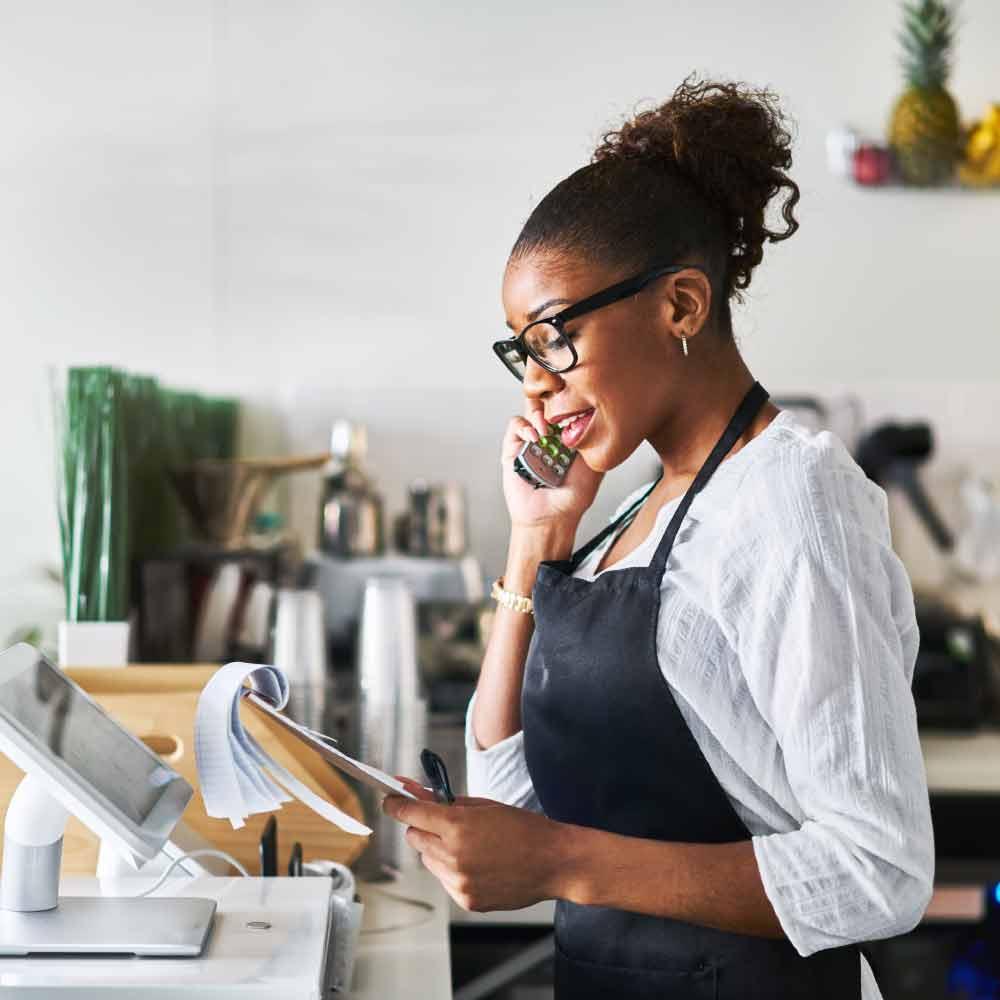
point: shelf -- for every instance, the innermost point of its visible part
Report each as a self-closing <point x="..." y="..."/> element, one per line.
<point x="896" y="187"/>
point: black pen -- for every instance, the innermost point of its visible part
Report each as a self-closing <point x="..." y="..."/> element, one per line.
<point x="437" y="775"/>
<point x="269" y="848"/>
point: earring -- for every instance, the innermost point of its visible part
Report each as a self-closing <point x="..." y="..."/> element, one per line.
<point x="684" y="345"/>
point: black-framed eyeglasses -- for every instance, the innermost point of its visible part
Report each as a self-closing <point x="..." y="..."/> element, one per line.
<point x="545" y="340"/>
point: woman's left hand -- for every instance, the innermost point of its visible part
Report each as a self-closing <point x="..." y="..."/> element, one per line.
<point x="488" y="856"/>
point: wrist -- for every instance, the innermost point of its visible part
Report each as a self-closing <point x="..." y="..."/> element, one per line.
<point x="570" y="852"/>
<point x="529" y="547"/>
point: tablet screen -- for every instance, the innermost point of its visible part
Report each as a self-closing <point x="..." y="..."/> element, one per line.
<point x="49" y="709"/>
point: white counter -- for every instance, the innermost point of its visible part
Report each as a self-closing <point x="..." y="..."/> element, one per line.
<point x="402" y="951"/>
<point x="540" y="915"/>
<point x="286" y="958"/>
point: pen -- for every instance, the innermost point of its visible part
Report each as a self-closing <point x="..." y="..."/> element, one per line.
<point x="269" y="848"/>
<point x="437" y="775"/>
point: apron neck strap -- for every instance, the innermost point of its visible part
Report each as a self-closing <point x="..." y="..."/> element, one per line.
<point x="742" y="419"/>
<point x="744" y="416"/>
<point x="614" y="526"/>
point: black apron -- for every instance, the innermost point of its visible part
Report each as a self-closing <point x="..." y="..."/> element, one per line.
<point x="607" y="747"/>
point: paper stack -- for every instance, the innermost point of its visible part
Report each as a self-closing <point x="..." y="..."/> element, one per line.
<point x="238" y="778"/>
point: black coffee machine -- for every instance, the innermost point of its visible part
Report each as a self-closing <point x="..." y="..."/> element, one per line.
<point x="951" y="677"/>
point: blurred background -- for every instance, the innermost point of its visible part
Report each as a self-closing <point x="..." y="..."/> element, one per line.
<point x="301" y="211"/>
<point x="309" y="207"/>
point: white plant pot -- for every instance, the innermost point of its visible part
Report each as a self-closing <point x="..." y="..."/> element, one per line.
<point x="93" y="644"/>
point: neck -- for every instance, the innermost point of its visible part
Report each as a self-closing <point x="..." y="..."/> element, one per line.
<point x="713" y="391"/>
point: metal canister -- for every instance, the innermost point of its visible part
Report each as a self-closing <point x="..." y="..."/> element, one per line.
<point x="436" y="523"/>
<point x="447" y="520"/>
<point x="352" y="519"/>
<point x="351" y="516"/>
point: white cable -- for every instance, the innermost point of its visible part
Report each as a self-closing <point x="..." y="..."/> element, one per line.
<point x="191" y="854"/>
<point x="420" y="904"/>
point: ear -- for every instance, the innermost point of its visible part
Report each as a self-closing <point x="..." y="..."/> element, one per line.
<point x="687" y="302"/>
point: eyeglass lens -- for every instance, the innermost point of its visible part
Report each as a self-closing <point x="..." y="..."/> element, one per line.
<point x="547" y="343"/>
<point x="514" y="362"/>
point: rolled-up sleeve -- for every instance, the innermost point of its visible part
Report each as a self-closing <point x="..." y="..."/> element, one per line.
<point x="499" y="772"/>
<point x="827" y="643"/>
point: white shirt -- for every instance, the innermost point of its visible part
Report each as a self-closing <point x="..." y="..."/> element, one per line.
<point x="787" y="635"/>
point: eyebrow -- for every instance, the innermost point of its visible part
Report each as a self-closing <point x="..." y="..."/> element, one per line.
<point x="538" y="310"/>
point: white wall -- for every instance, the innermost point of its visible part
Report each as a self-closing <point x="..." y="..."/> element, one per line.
<point x="106" y="195"/>
<point x="304" y="203"/>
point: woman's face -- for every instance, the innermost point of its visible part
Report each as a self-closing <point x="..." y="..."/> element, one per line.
<point x="629" y="356"/>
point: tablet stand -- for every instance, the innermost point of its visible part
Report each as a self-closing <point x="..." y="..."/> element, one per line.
<point x="33" y="918"/>
<point x="32" y="848"/>
<point x="77" y="759"/>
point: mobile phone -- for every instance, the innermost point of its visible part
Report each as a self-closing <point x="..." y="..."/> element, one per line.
<point x="544" y="462"/>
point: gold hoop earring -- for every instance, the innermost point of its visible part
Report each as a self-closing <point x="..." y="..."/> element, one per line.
<point x="684" y="345"/>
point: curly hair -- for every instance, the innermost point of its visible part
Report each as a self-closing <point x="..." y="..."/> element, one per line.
<point x="693" y="176"/>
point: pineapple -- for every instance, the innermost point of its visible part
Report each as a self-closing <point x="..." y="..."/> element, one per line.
<point x="925" y="132"/>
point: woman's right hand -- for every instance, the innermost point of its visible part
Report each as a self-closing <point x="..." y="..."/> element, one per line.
<point x="553" y="506"/>
<point x="543" y="528"/>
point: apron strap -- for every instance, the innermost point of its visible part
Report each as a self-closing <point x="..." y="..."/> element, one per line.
<point x="744" y="416"/>
<point x="619" y="522"/>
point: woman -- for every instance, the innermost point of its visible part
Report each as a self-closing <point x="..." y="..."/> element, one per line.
<point x="696" y="733"/>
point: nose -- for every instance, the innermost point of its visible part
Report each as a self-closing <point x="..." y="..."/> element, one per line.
<point x="540" y="382"/>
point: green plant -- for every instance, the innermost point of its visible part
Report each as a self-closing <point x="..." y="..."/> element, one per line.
<point x="92" y="496"/>
<point x="119" y="434"/>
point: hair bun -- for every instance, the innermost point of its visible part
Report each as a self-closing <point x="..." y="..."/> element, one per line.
<point x="730" y="141"/>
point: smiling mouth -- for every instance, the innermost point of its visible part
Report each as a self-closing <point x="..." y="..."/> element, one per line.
<point x="572" y="429"/>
